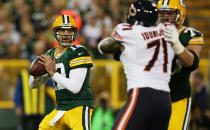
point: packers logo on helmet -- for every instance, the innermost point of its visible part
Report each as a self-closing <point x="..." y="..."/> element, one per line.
<point x="173" y="5"/>
<point x="62" y="23"/>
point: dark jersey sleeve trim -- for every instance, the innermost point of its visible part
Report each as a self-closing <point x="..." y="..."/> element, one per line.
<point x="195" y="62"/>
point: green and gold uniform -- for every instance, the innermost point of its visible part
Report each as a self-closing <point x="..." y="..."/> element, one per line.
<point x="78" y="106"/>
<point x="75" y="56"/>
<point x="180" y="81"/>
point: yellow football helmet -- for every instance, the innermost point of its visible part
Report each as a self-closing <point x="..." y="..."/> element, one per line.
<point x="173" y="5"/>
<point x="64" y="22"/>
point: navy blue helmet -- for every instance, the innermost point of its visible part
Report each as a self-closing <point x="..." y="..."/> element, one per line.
<point x="143" y="12"/>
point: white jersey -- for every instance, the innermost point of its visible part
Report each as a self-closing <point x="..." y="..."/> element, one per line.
<point x="147" y="57"/>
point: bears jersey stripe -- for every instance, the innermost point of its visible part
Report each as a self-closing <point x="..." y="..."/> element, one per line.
<point x="80" y="58"/>
<point x="115" y="35"/>
<point x="81" y="63"/>
<point x="129" y="110"/>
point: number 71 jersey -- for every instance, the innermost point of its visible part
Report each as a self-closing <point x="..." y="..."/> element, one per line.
<point x="147" y="57"/>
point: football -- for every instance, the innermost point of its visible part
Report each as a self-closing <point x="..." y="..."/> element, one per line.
<point x="37" y="69"/>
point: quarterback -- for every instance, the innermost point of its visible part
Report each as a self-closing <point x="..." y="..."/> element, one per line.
<point x="147" y="60"/>
<point x="69" y="67"/>
<point x="187" y="44"/>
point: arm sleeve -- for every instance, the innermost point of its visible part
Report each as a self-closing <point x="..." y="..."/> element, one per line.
<point x="74" y="82"/>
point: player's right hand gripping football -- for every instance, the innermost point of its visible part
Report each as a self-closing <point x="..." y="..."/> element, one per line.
<point x="172" y="36"/>
<point x="49" y="64"/>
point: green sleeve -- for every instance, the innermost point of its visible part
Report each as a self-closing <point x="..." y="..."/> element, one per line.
<point x="81" y="58"/>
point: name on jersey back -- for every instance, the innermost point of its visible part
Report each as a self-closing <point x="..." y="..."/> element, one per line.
<point x="152" y="34"/>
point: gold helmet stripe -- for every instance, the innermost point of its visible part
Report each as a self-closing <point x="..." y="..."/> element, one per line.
<point x="65" y="19"/>
<point x="165" y="2"/>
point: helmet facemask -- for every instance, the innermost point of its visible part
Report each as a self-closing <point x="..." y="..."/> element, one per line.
<point x="169" y="15"/>
<point x="172" y="6"/>
<point x="65" y="36"/>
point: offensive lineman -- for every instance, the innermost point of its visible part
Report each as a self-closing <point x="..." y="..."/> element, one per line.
<point x="187" y="43"/>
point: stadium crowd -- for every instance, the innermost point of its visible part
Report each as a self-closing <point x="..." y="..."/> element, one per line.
<point x="26" y="22"/>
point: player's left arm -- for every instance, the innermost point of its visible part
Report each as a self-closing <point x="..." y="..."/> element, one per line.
<point x="189" y="55"/>
<point x="114" y="44"/>
<point x="109" y="45"/>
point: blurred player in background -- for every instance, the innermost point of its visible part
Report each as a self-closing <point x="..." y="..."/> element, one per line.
<point x="147" y="60"/>
<point x="69" y="67"/>
<point x="78" y="21"/>
<point x="187" y="44"/>
<point x="103" y="115"/>
<point x="32" y="105"/>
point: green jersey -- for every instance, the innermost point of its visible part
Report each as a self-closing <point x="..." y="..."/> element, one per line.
<point x="73" y="57"/>
<point x="180" y="80"/>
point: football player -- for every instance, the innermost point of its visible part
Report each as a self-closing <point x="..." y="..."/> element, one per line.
<point x="187" y="44"/>
<point x="147" y="60"/>
<point x="69" y="67"/>
<point x="78" y="21"/>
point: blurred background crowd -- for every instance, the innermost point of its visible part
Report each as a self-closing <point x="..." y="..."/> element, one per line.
<point x="25" y="33"/>
<point x="24" y="23"/>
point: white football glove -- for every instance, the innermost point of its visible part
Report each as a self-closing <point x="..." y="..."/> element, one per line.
<point x="172" y="36"/>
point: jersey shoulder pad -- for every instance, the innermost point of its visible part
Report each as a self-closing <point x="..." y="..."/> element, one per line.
<point x="121" y="31"/>
<point x="75" y="47"/>
<point x="192" y="32"/>
<point x="192" y="35"/>
<point x="81" y="57"/>
<point x="50" y="52"/>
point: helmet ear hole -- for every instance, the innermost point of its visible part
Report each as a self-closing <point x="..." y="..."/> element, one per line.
<point x="142" y="12"/>
<point x="132" y="11"/>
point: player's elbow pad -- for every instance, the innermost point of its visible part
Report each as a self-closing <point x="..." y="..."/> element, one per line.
<point x="195" y="62"/>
